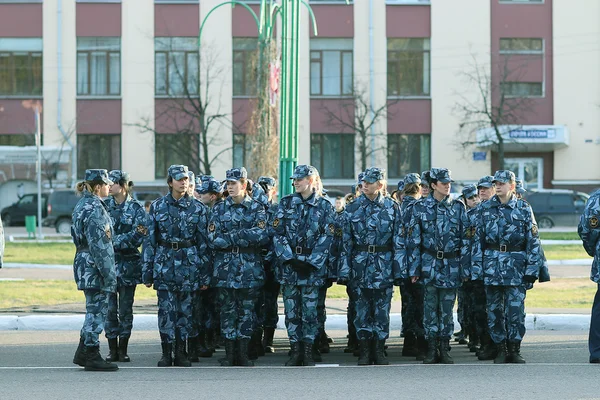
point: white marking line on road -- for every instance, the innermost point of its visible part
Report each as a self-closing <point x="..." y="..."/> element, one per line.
<point x="11" y="279"/>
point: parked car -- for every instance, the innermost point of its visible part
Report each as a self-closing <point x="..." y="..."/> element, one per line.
<point x="61" y="204"/>
<point x="556" y="207"/>
<point x="27" y="205"/>
<point x="143" y="196"/>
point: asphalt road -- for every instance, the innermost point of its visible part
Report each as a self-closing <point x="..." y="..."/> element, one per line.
<point x="37" y="365"/>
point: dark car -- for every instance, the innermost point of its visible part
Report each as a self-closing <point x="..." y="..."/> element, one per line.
<point x="61" y="204"/>
<point x="143" y="196"/>
<point x="27" y="205"/>
<point x="557" y="207"/>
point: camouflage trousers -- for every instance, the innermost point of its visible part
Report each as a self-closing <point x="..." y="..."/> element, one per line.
<point x="174" y="314"/>
<point x="438" y="319"/>
<point x="351" y="310"/>
<point x="96" y="307"/>
<point x="506" y="312"/>
<point x="412" y="308"/>
<point x="238" y="313"/>
<point x="270" y="306"/>
<point x="203" y="311"/>
<point x="300" y="304"/>
<point x="462" y="310"/>
<point x="476" y="314"/>
<point x="321" y="309"/>
<point x="373" y="313"/>
<point x="119" y="319"/>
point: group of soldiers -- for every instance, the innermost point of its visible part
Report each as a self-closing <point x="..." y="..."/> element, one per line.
<point x="219" y="253"/>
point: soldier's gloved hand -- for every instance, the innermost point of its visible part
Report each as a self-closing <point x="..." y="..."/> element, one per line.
<point x="342" y="281"/>
<point x="302" y="268"/>
<point x="529" y="279"/>
<point x="398" y="282"/>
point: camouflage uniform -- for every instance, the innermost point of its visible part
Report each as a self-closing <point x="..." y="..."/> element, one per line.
<point x="589" y="231"/>
<point x="507" y="255"/>
<point x="304" y="230"/>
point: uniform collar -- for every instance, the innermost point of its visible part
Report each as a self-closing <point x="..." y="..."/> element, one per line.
<point x="446" y="201"/>
<point x="311" y="201"/>
<point x="246" y="203"/>
<point x="183" y="201"/>
<point x="495" y="201"/>
<point x="379" y="200"/>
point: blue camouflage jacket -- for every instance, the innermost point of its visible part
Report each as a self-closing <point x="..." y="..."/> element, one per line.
<point x="372" y="223"/>
<point x="307" y="224"/>
<point x="237" y="232"/>
<point x="437" y="244"/>
<point x="589" y="232"/>
<point x="92" y="233"/>
<point x="165" y="263"/>
<point x="334" y="262"/>
<point x="260" y="196"/>
<point x="511" y="225"/>
<point x="130" y="225"/>
<point x="406" y="211"/>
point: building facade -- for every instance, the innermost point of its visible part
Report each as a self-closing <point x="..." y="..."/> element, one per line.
<point x="108" y="73"/>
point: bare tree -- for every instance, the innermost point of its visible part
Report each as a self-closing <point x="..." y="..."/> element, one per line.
<point x="52" y="160"/>
<point x="492" y="108"/>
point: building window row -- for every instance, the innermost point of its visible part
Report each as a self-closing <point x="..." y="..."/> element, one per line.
<point x="98" y="66"/>
<point x="21" y="66"/>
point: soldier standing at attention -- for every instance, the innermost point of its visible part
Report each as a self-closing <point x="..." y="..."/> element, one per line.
<point x="372" y="259"/>
<point x="130" y="229"/>
<point x="94" y="265"/>
<point x="237" y="232"/>
<point x="437" y="248"/>
<point x="507" y="254"/>
<point x="304" y="230"/>
<point x="176" y="260"/>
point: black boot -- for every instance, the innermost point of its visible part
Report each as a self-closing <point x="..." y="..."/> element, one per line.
<point x="309" y="352"/>
<point x="316" y="352"/>
<point x="167" y="359"/>
<point x="445" y="357"/>
<point x="181" y="357"/>
<point x="209" y="341"/>
<point x="252" y="353"/>
<point x="473" y="341"/>
<point x="514" y="353"/>
<point x="260" y="350"/>
<point x="123" y="343"/>
<point x="421" y="348"/>
<point x="113" y="350"/>
<point x="409" y="348"/>
<point x="324" y="347"/>
<point x="202" y="349"/>
<point x="267" y="343"/>
<point x="364" y="357"/>
<point x="94" y="361"/>
<point x="79" y="357"/>
<point x="379" y="357"/>
<point x="192" y="345"/>
<point x="295" y="355"/>
<point x="502" y="356"/>
<point x="352" y="344"/>
<point x="229" y="359"/>
<point x="432" y="352"/>
<point x="242" y="356"/>
<point x="488" y="349"/>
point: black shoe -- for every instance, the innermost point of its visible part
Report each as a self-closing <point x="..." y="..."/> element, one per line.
<point x="203" y="347"/>
<point x="364" y="357"/>
<point x="502" y="356"/>
<point x="193" y="348"/>
<point x="229" y="359"/>
<point x="167" y="359"/>
<point x="409" y="347"/>
<point x="351" y="346"/>
<point x="260" y="350"/>
<point x="514" y="353"/>
<point x="323" y="342"/>
<point x="379" y="356"/>
<point x="422" y="347"/>
<point x="210" y="341"/>
<point x="594" y="360"/>
<point x="123" y="343"/>
<point x="94" y="361"/>
<point x="432" y="356"/>
<point x="445" y="357"/>
<point x="113" y="350"/>
<point x="473" y="344"/>
<point x="242" y="356"/>
<point x="295" y="355"/>
<point x="79" y="357"/>
<point x="309" y="352"/>
<point x="316" y="353"/>
<point x="181" y="358"/>
<point x="488" y="349"/>
<point x="267" y="343"/>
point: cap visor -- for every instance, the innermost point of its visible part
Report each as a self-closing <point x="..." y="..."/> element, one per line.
<point x="179" y="177"/>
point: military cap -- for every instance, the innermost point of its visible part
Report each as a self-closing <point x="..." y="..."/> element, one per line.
<point x="360" y="177"/>
<point x="354" y="188"/>
<point x="413" y="177"/>
<point x="487" y="182"/>
<point x="235" y="174"/>
<point x="519" y="187"/>
<point x="97" y="175"/>
<point x="441" y="175"/>
<point x="208" y="184"/>
<point x="469" y="191"/>
<point x="192" y="176"/>
<point x="267" y="181"/>
<point x="178" y="172"/>
<point x="302" y="171"/>
<point x="504" y="176"/>
<point x="116" y="175"/>
<point x="400" y="185"/>
<point x="373" y="175"/>
<point x="425" y="177"/>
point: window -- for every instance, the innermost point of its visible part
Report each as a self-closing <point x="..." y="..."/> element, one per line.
<point x="175" y="148"/>
<point x="20" y="66"/>
<point x="333" y="155"/>
<point x="522" y="89"/>
<point x="98" y="66"/>
<point x="176" y="66"/>
<point x="331" y="64"/>
<point x="408" y="153"/>
<point x="241" y="148"/>
<point x="245" y="51"/>
<point x="17" y="140"/>
<point x="98" y="151"/>
<point x="408" y="67"/>
<point x="521" y="46"/>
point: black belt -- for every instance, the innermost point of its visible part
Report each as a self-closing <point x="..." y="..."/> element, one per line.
<point x="241" y="250"/>
<point x="440" y="255"/>
<point x="504" y="248"/>
<point x="183" y="244"/>
<point x="299" y="250"/>
<point x="371" y="249"/>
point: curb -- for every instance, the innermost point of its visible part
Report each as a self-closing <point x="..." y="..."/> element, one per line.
<point x="147" y="322"/>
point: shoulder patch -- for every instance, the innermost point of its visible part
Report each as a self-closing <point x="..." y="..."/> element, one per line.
<point x="276" y="222"/>
<point x="262" y="224"/>
<point x="142" y="230"/>
<point x="108" y="233"/>
<point x="470" y="232"/>
<point x="593" y="222"/>
<point x="534" y="230"/>
<point x="332" y="229"/>
<point x="212" y="227"/>
<point x="338" y="232"/>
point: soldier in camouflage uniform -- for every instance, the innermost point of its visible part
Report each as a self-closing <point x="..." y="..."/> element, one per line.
<point x="507" y="254"/>
<point x="176" y="260"/>
<point x="238" y="231"/>
<point x="94" y="265"/>
<point x="372" y="258"/>
<point x="130" y="228"/>
<point x="589" y="232"/>
<point x="437" y="249"/>
<point x="304" y="229"/>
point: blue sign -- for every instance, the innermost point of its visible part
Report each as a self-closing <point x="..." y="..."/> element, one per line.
<point x="479" y="155"/>
<point x="532" y="134"/>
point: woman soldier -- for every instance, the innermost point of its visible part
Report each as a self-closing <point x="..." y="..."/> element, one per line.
<point x="94" y="265"/>
<point x="437" y="249"/>
<point x="371" y="261"/>
<point x="508" y="255"/>
<point x="130" y="227"/>
<point x="304" y="229"/>
<point x="237" y="232"/>
<point x="176" y="260"/>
